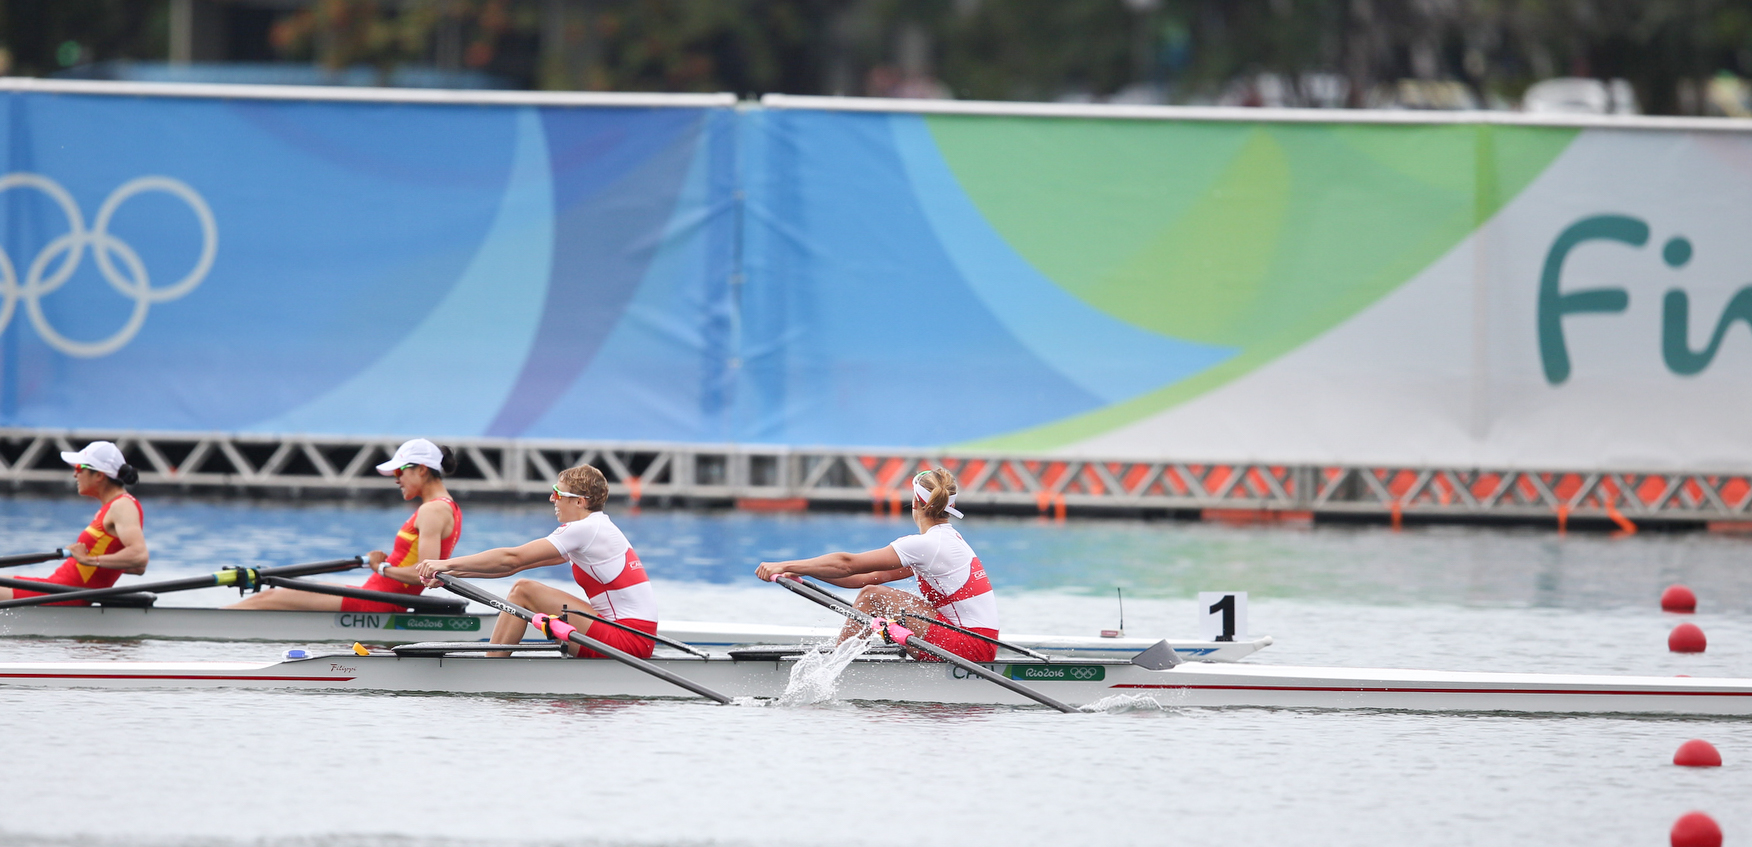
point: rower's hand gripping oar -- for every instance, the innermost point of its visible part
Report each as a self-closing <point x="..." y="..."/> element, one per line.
<point x="559" y="630"/>
<point x="898" y="634"/>
<point x="648" y="636"/>
<point x="31" y="558"/>
<point x="243" y="578"/>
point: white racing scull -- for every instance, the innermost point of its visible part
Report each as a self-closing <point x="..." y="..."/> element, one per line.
<point x="754" y="674"/>
<point x="203" y="624"/>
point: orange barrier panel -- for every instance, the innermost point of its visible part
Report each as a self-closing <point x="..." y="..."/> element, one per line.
<point x="1249" y="517"/>
<point x="773" y="504"/>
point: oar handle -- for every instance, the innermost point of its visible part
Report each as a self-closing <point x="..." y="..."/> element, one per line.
<point x="465" y="589"/>
<point x="803" y="589"/>
<point x="31" y="558"/>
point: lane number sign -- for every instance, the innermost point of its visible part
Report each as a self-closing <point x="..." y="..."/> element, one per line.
<point x="1222" y="615"/>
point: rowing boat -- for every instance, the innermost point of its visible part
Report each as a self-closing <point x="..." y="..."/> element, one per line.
<point x="204" y="624"/>
<point x="763" y="675"/>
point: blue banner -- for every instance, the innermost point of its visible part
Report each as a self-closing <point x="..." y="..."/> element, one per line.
<point x="332" y="267"/>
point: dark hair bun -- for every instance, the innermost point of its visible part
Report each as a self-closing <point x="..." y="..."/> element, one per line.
<point x="126" y="475"/>
<point x="447" y="464"/>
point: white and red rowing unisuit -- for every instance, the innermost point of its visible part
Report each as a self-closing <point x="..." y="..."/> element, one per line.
<point x="605" y="566"/>
<point x="613" y="578"/>
<point x="951" y="577"/>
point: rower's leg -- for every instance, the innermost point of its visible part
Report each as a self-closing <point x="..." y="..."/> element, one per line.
<point x="289" y="599"/>
<point x="884" y="602"/>
<point x="535" y="597"/>
<point x="508" y="629"/>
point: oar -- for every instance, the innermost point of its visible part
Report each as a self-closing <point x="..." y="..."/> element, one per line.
<point x="564" y="611"/>
<point x="986" y="638"/>
<point x="559" y="630"/>
<point x="417" y="602"/>
<point x="243" y="578"/>
<point x="31" y="558"/>
<point x="904" y="637"/>
<point x="945" y="624"/>
<point x="120" y="601"/>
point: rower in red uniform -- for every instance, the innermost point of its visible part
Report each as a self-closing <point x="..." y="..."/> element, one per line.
<point x="603" y="564"/>
<point x="115" y="541"/>
<point x="951" y="578"/>
<point x="419" y="467"/>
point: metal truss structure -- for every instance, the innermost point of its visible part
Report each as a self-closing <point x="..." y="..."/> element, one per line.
<point x="789" y="478"/>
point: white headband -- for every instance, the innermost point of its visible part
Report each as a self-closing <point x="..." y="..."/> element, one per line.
<point x="924" y="496"/>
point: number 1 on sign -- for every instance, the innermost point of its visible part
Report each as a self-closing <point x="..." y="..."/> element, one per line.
<point x="1222" y="614"/>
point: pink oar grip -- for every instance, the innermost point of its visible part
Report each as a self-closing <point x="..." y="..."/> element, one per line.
<point x="894" y="632"/>
<point x="553" y="627"/>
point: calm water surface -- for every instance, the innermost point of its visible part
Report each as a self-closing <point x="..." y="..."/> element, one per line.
<point x="237" y="767"/>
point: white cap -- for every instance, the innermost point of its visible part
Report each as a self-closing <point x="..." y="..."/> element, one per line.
<point x="416" y="452"/>
<point x="101" y="455"/>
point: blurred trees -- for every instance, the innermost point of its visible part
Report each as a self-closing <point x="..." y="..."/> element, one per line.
<point x="41" y="37"/>
<point x="1134" y="50"/>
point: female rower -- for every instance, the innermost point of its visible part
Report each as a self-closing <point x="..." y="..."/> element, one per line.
<point x="603" y="564"/>
<point x="419" y="467"/>
<point x="115" y="541"/>
<point x="950" y="576"/>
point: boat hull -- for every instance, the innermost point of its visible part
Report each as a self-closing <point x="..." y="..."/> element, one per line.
<point x="1078" y="683"/>
<point x="380" y="628"/>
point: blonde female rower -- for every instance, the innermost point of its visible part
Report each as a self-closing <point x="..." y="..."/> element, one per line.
<point x="950" y="576"/>
<point x="115" y="541"/>
<point x="419" y="467"/>
<point x="603" y="564"/>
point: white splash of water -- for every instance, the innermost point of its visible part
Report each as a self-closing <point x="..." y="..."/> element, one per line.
<point x="815" y="677"/>
<point x="1115" y="704"/>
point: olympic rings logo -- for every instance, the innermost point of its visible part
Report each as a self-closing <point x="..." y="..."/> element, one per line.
<point x="1082" y="673"/>
<point x="69" y="248"/>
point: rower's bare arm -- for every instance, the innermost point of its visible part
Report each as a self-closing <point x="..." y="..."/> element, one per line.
<point x="492" y="564"/>
<point x="877" y="578"/>
<point x="430" y="524"/>
<point x="124" y="524"/>
<point x="846" y="570"/>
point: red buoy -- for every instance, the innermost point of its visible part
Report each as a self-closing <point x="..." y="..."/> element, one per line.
<point x="1696" y="829"/>
<point x="1698" y="753"/>
<point x="1686" y="638"/>
<point x="1678" y="598"/>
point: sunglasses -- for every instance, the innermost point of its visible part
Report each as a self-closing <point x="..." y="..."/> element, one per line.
<point x="408" y="466"/>
<point x="567" y="493"/>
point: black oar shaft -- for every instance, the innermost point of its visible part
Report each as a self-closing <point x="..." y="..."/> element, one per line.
<point x="468" y="590"/>
<point x="131" y="600"/>
<point x="649" y="636"/>
<point x="229" y="576"/>
<point x="418" y="603"/>
<point x="31" y="558"/>
<point x="808" y="591"/>
<point x="971" y="634"/>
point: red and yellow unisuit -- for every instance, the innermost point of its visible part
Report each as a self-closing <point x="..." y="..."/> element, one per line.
<point x="407" y="549"/>
<point x="97" y="541"/>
